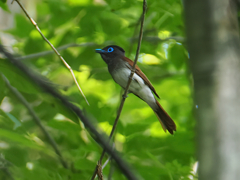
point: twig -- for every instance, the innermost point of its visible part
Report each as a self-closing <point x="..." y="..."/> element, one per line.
<point x="135" y="32"/>
<point x="45" y="53"/>
<point x="54" y="49"/>
<point x="158" y="39"/>
<point x="37" y="121"/>
<point x="128" y="84"/>
<point x="111" y="171"/>
<point x="41" y="82"/>
<point x="153" y="39"/>
<point x="109" y="159"/>
<point x="106" y="162"/>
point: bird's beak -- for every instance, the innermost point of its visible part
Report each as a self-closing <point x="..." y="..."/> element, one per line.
<point x="99" y="51"/>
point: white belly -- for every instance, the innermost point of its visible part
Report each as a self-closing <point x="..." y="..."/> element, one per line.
<point x="137" y="85"/>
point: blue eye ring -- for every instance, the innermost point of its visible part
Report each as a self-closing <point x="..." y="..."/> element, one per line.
<point x="110" y="49"/>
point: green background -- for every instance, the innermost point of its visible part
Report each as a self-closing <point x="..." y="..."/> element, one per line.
<point x="154" y="154"/>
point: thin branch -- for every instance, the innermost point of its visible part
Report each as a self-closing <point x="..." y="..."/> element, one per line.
<point x="111" y="170"/>
<point x="45" y="53"/>
<point x="37" y="121"/>
<point x="106" y="162"/>
<point x="128" y="84"/>
<point x="54" y="49"/>
<point x="135" y="32"/>
<point x="153" y="39"/>
<point x="99" y="138"/>
<point x="158" y="39"/>
<point x="109" y="159"/>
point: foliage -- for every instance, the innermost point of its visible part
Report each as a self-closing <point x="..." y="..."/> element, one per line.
<point x="25" y="151"/>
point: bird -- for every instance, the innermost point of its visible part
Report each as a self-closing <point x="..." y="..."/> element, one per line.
<point x="119" y="66"/>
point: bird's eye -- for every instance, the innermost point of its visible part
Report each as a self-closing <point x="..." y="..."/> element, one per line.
<point x="110" y="49"/>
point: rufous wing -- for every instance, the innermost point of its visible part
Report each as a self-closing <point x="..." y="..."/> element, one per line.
<point x="141" y="74"/>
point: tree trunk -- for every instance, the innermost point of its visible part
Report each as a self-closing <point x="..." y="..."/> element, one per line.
<point x="213" y="44"/>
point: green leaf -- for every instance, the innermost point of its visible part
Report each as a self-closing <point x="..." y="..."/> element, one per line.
<point x="17" y="78"/>
<point x="66" y="126"/>
<point x="16" y="156"/>
<point x="20" y="140"/>
<point x="10" y="117"/>
<point x="16" y="122"/>
<point x="4" y="6"/>
<point x="177" y="55"/>
<point x="84" y="164"/>
<point x="24" y="24"/>
<point x="66" y="112"/>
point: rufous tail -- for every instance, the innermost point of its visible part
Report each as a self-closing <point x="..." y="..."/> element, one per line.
<point x="165" y="120"/>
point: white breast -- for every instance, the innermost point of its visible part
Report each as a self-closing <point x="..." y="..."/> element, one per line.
<point x="137" y="85"/>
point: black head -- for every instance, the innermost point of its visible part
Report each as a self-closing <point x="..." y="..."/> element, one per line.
<point x="110" y="53"/>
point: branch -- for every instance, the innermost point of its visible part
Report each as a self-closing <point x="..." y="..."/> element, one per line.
<point x="54" y="49"/>
<point x="99" y="171"/>
<point x="135" y="32"/>
<point x="158" y="39"/>
<point x="45" y="86"/>
<point x="106" y="162"/>
<point x="37" y="120"/>
<point x="128" y="84"/>
<point x="153" y="39"/>
<point x="45" y="53"/>
<point x="111" y="170"/>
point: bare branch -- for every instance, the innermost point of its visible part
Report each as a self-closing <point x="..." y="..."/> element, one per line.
<point x="37" y="121"/>
<point x="45" y="53"/>
<point x="158" y="39"/>
<point x="54" y="49"/>
<point x="111" y="171"/>
<point x="128" y="84"/>
<point x="135" y="32"/>
<point x="153" y="39"/>
<point x="106" y="162"/>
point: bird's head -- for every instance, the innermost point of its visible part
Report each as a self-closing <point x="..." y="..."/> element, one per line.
<point x="110" y="53"/>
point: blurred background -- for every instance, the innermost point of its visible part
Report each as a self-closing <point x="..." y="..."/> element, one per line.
<point x="78" y="28"/>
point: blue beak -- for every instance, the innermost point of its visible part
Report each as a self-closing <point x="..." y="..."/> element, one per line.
<point x="99" y="51"/>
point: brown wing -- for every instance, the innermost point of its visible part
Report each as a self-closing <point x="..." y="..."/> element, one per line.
<point x="142" y="75"/>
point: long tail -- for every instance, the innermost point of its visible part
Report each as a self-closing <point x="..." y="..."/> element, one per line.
<point x="165" y="120"/>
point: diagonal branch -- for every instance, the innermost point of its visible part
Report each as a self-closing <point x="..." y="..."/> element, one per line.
<point x="99" y="138"/>
<point x="37" y="121"/>
<point x="128" y="84"/>
<point x="54" y="49"/>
